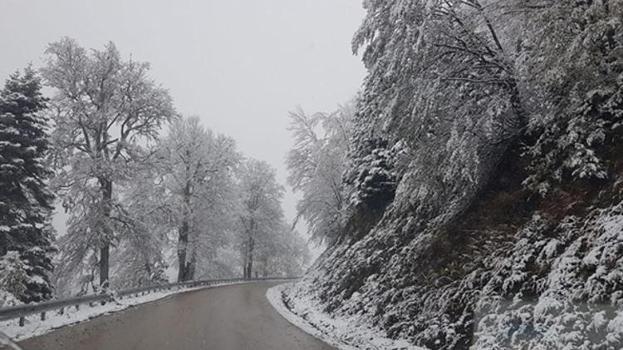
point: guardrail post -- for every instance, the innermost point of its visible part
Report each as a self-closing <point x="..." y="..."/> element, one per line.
<point x="22" y="320"/>
<point x="43" y="316"/>
<point x="61" y="310"/>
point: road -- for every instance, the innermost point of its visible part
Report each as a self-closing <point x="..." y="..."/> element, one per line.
<point x="237" y="317"/>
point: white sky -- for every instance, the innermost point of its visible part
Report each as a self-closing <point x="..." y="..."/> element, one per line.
<point x="240" y="65"/>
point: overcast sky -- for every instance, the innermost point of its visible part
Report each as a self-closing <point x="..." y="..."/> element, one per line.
<point x="240" y="65"/>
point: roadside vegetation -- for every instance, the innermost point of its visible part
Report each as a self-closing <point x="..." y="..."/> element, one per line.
<point x="150" y="195"/>
<point x="479" y="186"/>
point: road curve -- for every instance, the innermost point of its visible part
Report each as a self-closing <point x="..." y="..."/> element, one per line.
<point x="237" y="317"/>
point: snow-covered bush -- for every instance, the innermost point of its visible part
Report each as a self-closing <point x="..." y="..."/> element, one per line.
<point x="572" y="66"/>
<point x="13" y="277"/>
<point x="576" y="146"/>
<point x="560" y="288"/>
<point x="372" y="180"/>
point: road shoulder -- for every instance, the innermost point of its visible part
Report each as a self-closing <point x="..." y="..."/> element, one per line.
<point x="341" y="333"/>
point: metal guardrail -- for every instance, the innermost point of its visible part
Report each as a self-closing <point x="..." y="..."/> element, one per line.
<point x="22" y="311"/>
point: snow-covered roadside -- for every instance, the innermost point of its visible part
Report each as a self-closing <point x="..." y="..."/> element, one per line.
<point x="341" y="333"/>
<point x="34" y="326"/>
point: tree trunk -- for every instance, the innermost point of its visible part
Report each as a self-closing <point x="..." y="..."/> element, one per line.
<point x="182" y="242"/>
<point x="249" y="260"/>
<point x="182" y="245"/>
<point x="244" y="262"/>
<point x="106" y="189"/>
<point x="104" y="263"/>
<point x="265" y="268"/>
<point x="190" y="270"/>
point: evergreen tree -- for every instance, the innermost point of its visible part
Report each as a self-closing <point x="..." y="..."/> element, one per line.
<point x="25" y="201"/>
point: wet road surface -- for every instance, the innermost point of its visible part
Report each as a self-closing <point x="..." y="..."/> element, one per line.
<point x="237" y="317"/>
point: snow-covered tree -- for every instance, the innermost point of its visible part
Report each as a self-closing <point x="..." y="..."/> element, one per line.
<point x="140" y="255"/>
<point x="441" y="78"/>
<point x="316" y="164"/>
<point x="483" y="95"/>
<point x="260" y="213"/>
<point x="25" y="200"/>
<point x="285" y="253"/>
<point x="104" y="110"/>
<point x="195" y="175"/>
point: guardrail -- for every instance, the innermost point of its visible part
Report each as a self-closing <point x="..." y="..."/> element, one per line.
<point x="23" y="311"/>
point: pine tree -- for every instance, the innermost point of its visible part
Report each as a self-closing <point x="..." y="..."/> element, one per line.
<point x="25" y="201"/>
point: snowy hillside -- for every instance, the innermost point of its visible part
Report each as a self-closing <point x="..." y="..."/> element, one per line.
<point x="482" y="183"/>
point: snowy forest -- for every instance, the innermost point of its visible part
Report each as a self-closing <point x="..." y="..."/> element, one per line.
<point x="468" y="196"/>
<point x="151" y="196"/>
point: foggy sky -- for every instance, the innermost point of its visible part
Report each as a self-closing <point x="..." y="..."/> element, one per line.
<point x="240" y="65"/>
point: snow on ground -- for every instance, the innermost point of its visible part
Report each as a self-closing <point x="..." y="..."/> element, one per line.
<point x="342" y="333"/>
<point x="34" y="326"/>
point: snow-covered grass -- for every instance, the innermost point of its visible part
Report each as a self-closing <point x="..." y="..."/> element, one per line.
<point x="34" y="326"/>
<point x="342" y="333"/>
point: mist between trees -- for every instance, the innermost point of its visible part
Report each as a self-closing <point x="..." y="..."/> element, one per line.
<point x="150" y="195"/>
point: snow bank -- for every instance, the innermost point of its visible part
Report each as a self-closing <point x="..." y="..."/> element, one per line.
<point x="34" y="326"/>
<point x="342" y="333"/>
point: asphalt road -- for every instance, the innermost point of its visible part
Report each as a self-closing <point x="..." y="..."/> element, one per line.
<point x="237" y="317"/>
